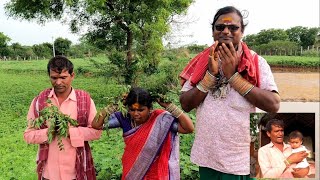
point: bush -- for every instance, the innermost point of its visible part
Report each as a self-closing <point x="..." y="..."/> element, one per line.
<point x="196" y="48"/>
<point x="311" y="53"/>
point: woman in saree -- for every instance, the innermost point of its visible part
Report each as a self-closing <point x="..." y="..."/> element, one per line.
<point x="151" y="137"/>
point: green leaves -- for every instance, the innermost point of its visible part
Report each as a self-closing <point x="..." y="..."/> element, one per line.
<point x="57" y="122"/>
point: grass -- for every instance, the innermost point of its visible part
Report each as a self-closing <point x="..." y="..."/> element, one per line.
<point x="23" y="80"/>
<point x="17" y="158"/>
<point x="293" y="61"/>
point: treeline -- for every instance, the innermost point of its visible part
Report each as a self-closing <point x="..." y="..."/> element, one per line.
<point x="294" y="41"/>
<point x="61" y="46"/>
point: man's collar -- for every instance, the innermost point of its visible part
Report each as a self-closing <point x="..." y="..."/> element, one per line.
<point x="284" y="145"/>
<point x="72" y="95"/>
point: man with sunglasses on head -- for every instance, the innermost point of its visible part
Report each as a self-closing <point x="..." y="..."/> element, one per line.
<point x="225" y="83"/>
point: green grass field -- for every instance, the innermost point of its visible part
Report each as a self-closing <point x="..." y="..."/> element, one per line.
<point x="23" y="80"/>
<point x="293" y="61"/>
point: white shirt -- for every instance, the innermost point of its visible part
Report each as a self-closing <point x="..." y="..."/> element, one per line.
<point x="222" y="134"/>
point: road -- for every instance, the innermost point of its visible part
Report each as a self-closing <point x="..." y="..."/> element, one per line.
<point x="298" y="87"/>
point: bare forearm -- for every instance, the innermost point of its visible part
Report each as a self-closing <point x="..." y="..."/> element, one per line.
<point x="264" y="100"/>
<point x="97" y="123"/>
<point x="185" y="124"/>
<point x="191" y="99"/>
<point x="98" y="120"/>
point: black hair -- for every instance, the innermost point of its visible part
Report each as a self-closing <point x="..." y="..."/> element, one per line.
<point x="296" y="134"/>
<point x="226" y="10"/>
<point x="139" y="95"/>
<point x="59" y="63"/>
<point x="274" y="122"/>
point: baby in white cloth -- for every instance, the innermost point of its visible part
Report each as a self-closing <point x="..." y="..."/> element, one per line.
<point x="295" y="141"/>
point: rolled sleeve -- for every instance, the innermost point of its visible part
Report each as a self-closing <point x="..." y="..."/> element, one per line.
<point x="32" y="136"/>
<point x="78" y="135"/>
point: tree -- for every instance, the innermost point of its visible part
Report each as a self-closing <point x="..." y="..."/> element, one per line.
<point x="132" y="27"/>
<point x="21" y="51"/>
<point x="309" y="37"/>
<point x="62" y="46"/>
<point x="83" y="50"/>
<point x="265" y="36"/>
<point x="42" y="50"/>
<point x="4" y="40"/>
<point x="294" y="33"/>
<point x="251" y="40"/>
<point x="303" y="36"/>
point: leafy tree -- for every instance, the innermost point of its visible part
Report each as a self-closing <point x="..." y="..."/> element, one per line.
<point x="265" y="36"/>
<point x="294" y="33"/>
<point x="83" y="50"/>
<point x="194" y="48"/>
<point x="309" y="37"/>
<point x="42" y="50"/>
<point x="17" y="50"/>
<point x="62" y="46"/>
<point x="133" y="27"/>
<point x="4" y="40"/>
<point x="303" y="36"/>
<point x="251" y="40"/>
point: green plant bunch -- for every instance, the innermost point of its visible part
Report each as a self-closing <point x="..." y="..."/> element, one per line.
<point x="114" y="104"/>
<point x="57" y="121"/>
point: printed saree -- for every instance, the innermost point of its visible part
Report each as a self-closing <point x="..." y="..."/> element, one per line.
<point x="151" y="149"/>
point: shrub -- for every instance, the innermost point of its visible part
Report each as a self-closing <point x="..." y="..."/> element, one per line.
<point x="311" y="53"/>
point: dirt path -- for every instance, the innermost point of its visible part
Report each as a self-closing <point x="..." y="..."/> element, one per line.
<point x="298" y="86"/>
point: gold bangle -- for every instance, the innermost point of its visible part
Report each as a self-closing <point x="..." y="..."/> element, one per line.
<point x="248" y="90"/>
<point x="241" y="85"/>
<point x="174" y="110"/>
<point x="231" y="78"/>
<point x="201" y="88"/>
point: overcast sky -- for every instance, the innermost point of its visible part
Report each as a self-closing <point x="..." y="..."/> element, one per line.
<point x="263" y="14"/>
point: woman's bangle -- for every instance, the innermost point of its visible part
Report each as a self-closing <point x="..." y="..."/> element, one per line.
<point x="174" y="110"/>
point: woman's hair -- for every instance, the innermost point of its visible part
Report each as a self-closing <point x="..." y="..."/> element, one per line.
<point x="226" y="10"/>
<point x="296" y="134"/>
<point x="139" y="95"/>
<point x="59" y="63"/>
<point x="274" y="122"/>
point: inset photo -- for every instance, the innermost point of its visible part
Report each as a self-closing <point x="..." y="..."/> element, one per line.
<point x="283" y="145"/>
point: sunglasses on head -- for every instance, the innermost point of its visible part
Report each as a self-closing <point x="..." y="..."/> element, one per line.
<point x="221" y="27"/>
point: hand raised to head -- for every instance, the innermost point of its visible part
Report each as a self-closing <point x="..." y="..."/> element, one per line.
<point x="162" y="104"/>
